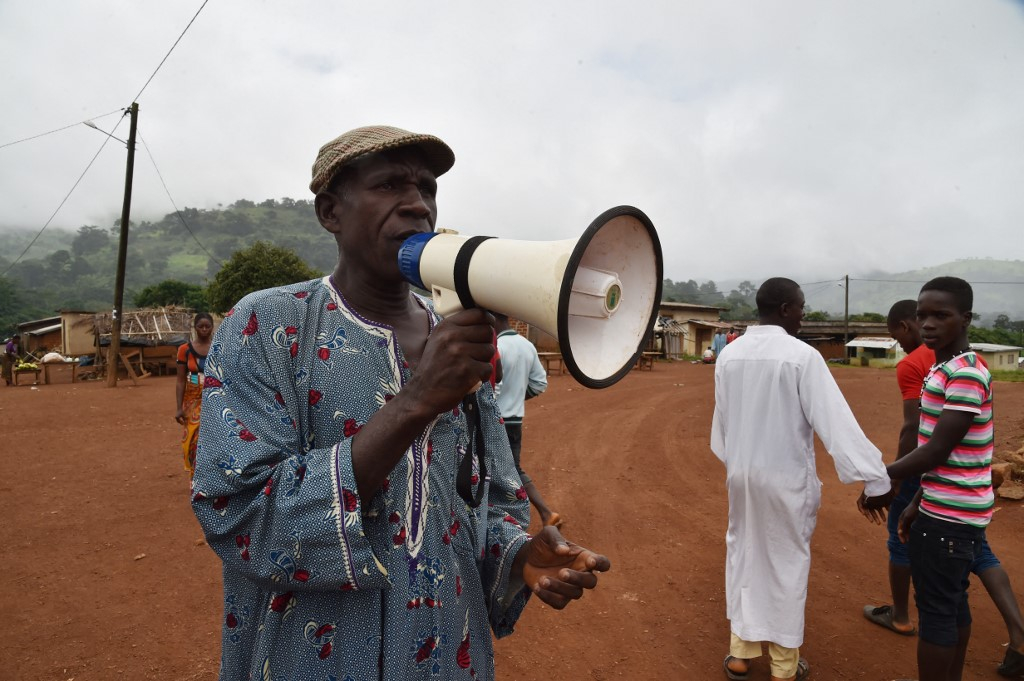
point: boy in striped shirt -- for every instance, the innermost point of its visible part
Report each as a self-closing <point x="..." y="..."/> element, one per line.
<point x="946" y="527"/>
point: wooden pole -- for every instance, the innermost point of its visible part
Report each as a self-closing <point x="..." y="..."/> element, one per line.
<point x="114" y="351"/>
<point x="846" y="316"/>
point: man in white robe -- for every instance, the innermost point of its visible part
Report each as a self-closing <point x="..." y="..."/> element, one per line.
<point x="772" y="393"/>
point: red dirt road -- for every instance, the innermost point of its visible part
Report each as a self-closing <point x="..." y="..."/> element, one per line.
<point x="107" y="577"/>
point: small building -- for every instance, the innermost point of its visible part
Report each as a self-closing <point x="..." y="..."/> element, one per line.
<point x="875" y="351"/>
<point x="71" y="334"/>
<point x="686" y="328"/>
<point x="39" y="336"/>
<point x="999" y="357"/>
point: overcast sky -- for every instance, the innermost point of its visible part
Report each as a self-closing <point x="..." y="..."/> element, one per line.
<point x="802" y="138"/>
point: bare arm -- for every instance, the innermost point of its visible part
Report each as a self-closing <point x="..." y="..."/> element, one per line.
<point x="179" y="390"/>
<point x="908" y="433"/>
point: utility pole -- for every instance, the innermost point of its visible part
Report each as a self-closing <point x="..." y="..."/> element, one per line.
<point x="114" y="351"/>
<point x="846" y="316"/>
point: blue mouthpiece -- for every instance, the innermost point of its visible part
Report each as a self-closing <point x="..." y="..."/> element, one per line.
<point x="409" y="257"/>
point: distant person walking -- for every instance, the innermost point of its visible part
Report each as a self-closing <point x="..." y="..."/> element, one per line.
<point x="718" y="343"/>
<point x="189" y="389"/>
<point x="731" y="336"/>
<point x="522" y="378"/>
<point x="10" y="356"/>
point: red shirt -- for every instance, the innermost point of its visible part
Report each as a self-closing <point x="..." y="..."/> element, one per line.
<point x="911" y="370"/>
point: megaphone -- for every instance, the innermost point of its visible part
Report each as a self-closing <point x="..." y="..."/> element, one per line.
<point x="597" y="295"/>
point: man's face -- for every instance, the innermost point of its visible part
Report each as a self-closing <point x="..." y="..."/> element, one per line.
<point x="387" y="198"/>
<point x="943" y="326"/>
<point x="905" y="333"/>
<point x="792" y="313"/>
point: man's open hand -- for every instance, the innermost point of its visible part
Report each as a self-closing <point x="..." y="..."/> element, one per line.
<point x="557" y="570"/>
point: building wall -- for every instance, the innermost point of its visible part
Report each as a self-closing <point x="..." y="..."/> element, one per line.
<point x="1006" y="360"/>
<point x="77" y="339"/>
<point x="40" y="345"/>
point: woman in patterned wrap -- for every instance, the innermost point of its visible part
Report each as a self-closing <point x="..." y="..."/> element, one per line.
<point x="189" y="391"/>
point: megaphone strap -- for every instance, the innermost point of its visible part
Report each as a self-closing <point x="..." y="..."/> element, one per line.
<point x="460" y="270"/>
<point x="475" y="434"/>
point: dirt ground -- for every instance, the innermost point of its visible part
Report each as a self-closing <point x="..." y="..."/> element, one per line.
<point x="108" y="577"/>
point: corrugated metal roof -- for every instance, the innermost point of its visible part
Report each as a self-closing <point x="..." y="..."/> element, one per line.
<point x="994" y="347"/>
<point x="881" y="343"/>
<point x="44" y="330"/>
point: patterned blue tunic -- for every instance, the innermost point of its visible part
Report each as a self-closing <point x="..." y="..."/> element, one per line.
<point x="320" y="584"/>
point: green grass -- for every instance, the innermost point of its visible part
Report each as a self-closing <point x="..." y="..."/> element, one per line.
<point x="1008" y="375"/>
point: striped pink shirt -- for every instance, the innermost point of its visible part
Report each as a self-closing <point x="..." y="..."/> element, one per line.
<point x="959" y="490"/>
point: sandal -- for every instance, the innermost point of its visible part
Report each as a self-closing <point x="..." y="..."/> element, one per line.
<point x="730" y="674"/>
<point x="1013" y="664"/>
<point x="882" y="616"/>
<point x="803" y="670"/>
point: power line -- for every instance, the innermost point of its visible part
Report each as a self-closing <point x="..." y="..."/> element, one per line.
<point x="176" y="211"/>
<point x="66" y="197"/>
<point x="170" y="50"/>
<point x="44" y="134"/>
<point x="924" y="281"/>
<point x="109" y="136"/>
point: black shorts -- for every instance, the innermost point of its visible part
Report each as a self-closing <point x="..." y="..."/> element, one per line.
<point x="941" y="554"/>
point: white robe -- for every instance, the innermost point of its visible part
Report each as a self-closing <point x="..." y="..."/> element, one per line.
<point x="772" y="393"/>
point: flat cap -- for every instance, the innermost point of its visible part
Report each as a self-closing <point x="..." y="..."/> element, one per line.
<point x="349" y="146"/>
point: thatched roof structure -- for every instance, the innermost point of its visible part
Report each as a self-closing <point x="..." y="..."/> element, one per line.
<point x="150" y="326"/>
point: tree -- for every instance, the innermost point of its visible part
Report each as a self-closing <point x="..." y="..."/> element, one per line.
<point x="816" y="316"/>
<point x="865" y="317"/>
<point x="89" y="240"/>
<point x="260" y="266"/>
<point x="746" y="289"/>
<point x="170" y="292"/>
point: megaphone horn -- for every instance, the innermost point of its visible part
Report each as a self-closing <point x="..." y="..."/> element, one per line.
<point x="597" y="295"/>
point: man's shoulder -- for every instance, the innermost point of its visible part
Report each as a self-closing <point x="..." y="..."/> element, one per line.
<point x="302" y="292"/>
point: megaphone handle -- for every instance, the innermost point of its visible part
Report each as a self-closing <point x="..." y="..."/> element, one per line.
<point x="446" y="301"/>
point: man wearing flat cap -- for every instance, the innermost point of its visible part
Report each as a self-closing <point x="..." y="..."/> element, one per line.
<point x="339" y="466"/>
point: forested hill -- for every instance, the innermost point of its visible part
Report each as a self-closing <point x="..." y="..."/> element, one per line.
<point x="76" y="270"/>
<point x="998" y="290"/>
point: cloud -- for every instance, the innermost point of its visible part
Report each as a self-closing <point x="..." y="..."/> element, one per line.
<point x="795" y="138"/>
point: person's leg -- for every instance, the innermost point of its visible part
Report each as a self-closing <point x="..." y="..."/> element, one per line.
<point x="741" y="653"/>
<point x="941" y="554"/>
<point x="997" y="583"/>
<point x="785" y="662"/>
<point x="515" y="440"/>
<point x="546" y="515"/>
<point x="899" y="584"/>
<point x="942" y="663"/>
<point x="897" y="616"/>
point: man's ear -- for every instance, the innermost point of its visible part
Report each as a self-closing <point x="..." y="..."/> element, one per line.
<point x="327" y="207"/>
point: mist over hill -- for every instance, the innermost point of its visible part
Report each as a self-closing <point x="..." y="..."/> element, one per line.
<point x="75" y="270"/>
<point x="998" y="288"/>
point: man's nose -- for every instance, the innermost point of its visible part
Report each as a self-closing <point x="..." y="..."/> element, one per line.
<point x="414" y="202"/>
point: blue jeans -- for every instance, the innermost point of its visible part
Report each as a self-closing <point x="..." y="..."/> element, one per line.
<point x="898" y="551"/>
<point x="898" y="554"/>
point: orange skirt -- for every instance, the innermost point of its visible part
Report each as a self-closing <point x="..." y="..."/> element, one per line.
<point x="192" y="401"/>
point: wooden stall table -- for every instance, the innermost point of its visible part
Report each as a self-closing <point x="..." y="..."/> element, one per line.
<point x="548" y="358"/>
<point x="16" y="375"/>
<point x="50" y="366"/>
<point x="645" y="361"/>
